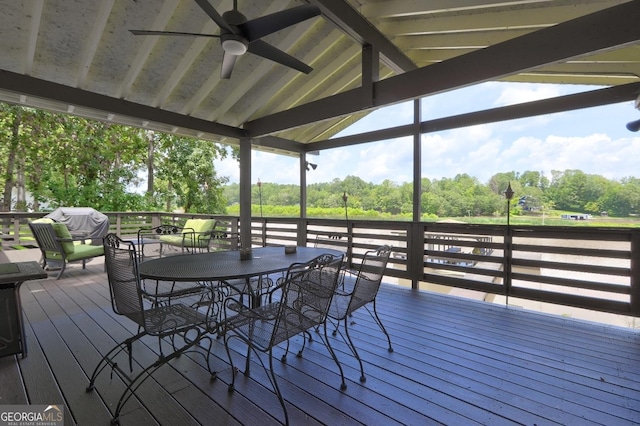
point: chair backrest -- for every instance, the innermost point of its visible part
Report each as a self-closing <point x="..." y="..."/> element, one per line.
<point x="369" y="277"/>
<point x="224" y="237"/>
<point x="47" y="236"/>
<point x="333" y="240"/>
<point x="306" y="296"/>
<point x="124" y="281"/>
<point x="199" y="225"/>
<point x="160" y="230"/>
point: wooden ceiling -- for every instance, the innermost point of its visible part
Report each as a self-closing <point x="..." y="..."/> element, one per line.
<point x="78" y="57"/>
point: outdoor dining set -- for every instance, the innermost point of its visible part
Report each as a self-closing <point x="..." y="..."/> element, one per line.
<point x="186" y="294"/>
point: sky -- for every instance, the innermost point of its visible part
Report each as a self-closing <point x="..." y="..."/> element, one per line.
<point x="594" y="140"/>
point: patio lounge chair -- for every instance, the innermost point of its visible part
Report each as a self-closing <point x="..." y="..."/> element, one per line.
<point x="193" y="237"/>
<point x="165" y="321"/>
<point x="298" y="304"/>
<point x="363" y="292"/>
<point x="58" y="247"/>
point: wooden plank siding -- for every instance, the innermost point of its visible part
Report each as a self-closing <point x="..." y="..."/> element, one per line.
<point x="455" y="361"/>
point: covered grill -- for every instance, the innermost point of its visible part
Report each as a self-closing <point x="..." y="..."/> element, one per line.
<point x="84" y="221"/>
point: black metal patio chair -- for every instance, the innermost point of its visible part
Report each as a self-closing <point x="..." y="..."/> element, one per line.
<point x="337" y="241"/>
<point x="299" y="303"/>
<point x="363" y="292"/>
<point x="178" y="326"/>
<point x="151" y="245"/>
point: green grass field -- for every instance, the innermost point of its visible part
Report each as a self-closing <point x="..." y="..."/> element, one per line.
<point x="550" y="218"/>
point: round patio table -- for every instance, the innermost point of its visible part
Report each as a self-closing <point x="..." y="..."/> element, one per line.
<point x="226" y="265"/>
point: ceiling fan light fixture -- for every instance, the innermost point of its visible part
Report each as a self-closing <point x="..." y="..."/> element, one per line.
<point x="633" y="126"/>
<point x="234" y="46"/>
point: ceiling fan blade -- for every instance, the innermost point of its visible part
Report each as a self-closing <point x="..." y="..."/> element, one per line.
<point x="213" y="14"/>
<point x="171" y="33"/>
<point x="274" y="54"/>
<point x="265" y="25"/>
<point x="228" y="61"/>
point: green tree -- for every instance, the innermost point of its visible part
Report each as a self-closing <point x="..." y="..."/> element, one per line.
<point x="99" y="164"/>
<point x="621" y="199"/>
<point x="185" y="175"/>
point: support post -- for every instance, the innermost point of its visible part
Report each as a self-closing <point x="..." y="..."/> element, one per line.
<point x="417" y="162"/>
<point x="302" y="230"/>
<point x="303" y="185"/>
<point x="635" y="275"/>
<point x="245" y="192"/>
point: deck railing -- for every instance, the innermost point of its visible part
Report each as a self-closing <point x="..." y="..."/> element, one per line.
<point x="584" y="267"/>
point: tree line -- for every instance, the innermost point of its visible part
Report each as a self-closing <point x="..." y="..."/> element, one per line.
<point x="62" y="160"/>
<point x="463" y="195"/>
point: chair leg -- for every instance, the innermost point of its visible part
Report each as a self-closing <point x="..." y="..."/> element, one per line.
<point x="64" y="264"/>
<point x="233" y="368"/>
<point x="343" y="384"/>
<point x="276" y="388"/>
<point x="306" y="335"/>
<point x="375" y="316"/>
<point x="212" y="373"/>
<point x="349" y="342"/>
<point x="134" y="383"/>
<point x="107" y="360"/>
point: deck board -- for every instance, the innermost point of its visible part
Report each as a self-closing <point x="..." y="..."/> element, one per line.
<point x="12" y="391"/>
<point x="455" y="361"/>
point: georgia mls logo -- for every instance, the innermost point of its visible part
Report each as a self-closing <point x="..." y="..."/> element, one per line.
<point x="53" y="410"/>
<point x="31" y="415"/>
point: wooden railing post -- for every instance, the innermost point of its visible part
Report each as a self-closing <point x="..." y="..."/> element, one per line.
<point x="302" y="232"/>
<point x="16" y="230"/>
<point x="155" y="220"/>
<point x="263" y="231"/>
<point x="506" y="280"/>
<point x="415" y="253"/>
<point x="634" y="279"/>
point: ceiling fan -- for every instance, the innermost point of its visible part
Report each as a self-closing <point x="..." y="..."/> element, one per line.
<point x="238" y="35"/>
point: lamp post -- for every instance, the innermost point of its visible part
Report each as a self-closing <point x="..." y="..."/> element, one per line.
<point x="260" y="195"/>
<point x="345" y="198"/>
<point x="508" y="194"/>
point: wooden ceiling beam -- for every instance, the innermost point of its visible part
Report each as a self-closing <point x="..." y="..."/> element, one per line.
<point x="345" y="17"/>
<point x="599" y="31"/>
<point x="38" y="88"/>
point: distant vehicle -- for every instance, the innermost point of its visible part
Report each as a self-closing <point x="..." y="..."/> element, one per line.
<point x="577" y="216"/>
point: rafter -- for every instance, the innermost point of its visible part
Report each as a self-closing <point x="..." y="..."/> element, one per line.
<point x="168" y="9"/>
<point x="397" y="8"/>
<point x="92" y="42"/>
<point x="351" y="22"/>
<point x="36" y="15"/>
<point x="607" y="29"/>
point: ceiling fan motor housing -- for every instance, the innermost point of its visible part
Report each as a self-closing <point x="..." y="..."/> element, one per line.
<point x="233" y="18"/>
<point x="234" y="44"/>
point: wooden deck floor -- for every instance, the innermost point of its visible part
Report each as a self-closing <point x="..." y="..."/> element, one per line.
<point x="456" y="361"/>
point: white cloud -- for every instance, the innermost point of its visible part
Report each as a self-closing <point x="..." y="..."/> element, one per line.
<point x="229" y="168"/>
<point x="593" y="140"/>
<point x="525" y="92"/>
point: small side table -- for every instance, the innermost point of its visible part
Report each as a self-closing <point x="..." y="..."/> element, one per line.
<point x="12" y="275"/>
